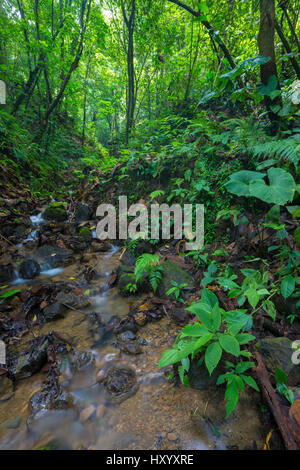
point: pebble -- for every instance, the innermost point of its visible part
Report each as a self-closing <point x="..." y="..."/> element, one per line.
<point x="100" y="411"/>
<point x="172" y="436"/>
<point x="86" y="413"/>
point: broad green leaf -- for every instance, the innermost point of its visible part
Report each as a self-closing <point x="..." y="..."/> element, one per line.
<point x="229" y="344"/>
<point x="250" y="381"/>
<point x="213" y="355"/>
<point x="171" y="356"/>
<point x="280" y="190"/>
<point x="287" y="286"/>
<point x="194" y="330"/>
<point x="252" y="296"/>
<point x="239" y="182"/>
<point x="244" y="338"/>
<point x="202" y="341"/>
<point x="202" y="312"/>
<point x="209" y="298"/>
<point x="232" y="397"/>
<point x="280" y="376"/>
<point x="216" y="318"/>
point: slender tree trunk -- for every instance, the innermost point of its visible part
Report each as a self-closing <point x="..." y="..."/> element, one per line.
<point x="266" y="48"/>
<point x="211" y="31"/>
<point x="84" y="99"/>
<point x="288" y="49"/>
<point x="292" y="29"/>
<point x="131" y="98"/>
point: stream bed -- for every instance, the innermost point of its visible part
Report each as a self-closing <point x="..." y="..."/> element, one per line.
<point x="107" y="396"/>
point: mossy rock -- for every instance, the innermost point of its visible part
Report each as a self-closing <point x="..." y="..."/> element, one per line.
<point x="55" y="211"/>
<point x="126" y="276"/>
<point x="85" y="233"/>
<point x="172" y="272"/>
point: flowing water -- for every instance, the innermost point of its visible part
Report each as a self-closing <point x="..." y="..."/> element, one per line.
<point x="159" y="415"/>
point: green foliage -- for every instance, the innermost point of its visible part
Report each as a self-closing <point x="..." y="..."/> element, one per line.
<point x="149" y="264"/>
<point x="281" y="381"/>
<point x="176" y="290"/>
<point x="208" y="338"/>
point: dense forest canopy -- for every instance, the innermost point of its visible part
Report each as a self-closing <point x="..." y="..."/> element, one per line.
<point x="111" y="66"/>
<point x="165" y="102"/>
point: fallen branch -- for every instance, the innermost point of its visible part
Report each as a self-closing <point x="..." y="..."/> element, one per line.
<point x="286" y="427"/>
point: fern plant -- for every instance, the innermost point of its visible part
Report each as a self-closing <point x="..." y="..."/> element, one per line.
<point x="149" y="264"/>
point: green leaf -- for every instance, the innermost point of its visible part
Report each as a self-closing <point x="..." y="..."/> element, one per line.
<point x="244" y="338"/>
<point x="9" y="294"/>
<point x="243" y="366"/>
<point x="252" y="296"/>
<point x="286" y="392"/>
<point x="269" y="307"/>
<point x="202" y="312"/>
<point x="194" y="330"/>
<point x="280" y="376"/>
<point x="250" y="381"/>
<point x="216" y="318"/>
<point x="202" y="341"/>
<point x="209" y="298"/>
<point x="171" y="356"/>
<point x="266" y="90"/>
<point x="239" y="182"/>
<point x="229" y="344"/>
<point x="213" y="355"/>
<point x="287" y="286"/>
<point x="232" y="397"/>
<point x="280" y="190"/>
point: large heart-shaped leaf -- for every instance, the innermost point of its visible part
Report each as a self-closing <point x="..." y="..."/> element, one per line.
<point x="280" y="190"/>
<point x="239" y="182"/>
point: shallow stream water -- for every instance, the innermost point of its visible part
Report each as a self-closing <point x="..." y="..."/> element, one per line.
<point x="160" y="415"/>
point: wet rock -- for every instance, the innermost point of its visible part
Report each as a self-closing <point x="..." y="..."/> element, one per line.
<point x="143" y="247"/>
<point x="6" y="388"/>
<point x="54" y="311"/>
<point x="140" y="318"/>
<point x="125" y="324"/>
<point x="55" y="211"/>
<point x="199" y="377"/>
<point x="82" y="214"/>
<point x="98" y="246"/>
<point x="131" y="347"/>
<point x="6" y="273"/>
<point x="86" y="414"/>
<point x="278" y="352"/>
<point x="12" y="423"/>
<point x="45" y="400"/>
<point x="83" y="359"/>
<point x="126" y="276"/>
<point x="172" y="436"/>
<point x="128" y="259"/>
<point x="100" y="411"/>
<point x="127" y="335"/>
<point x="31" y="361"/>
<point x="179" y="315"/>
<point x="120" y="383"/>
<point x="286" y="306"/>
<point x="85" y="233"/>
<point x="173" y="273"/>
<point x="73" y="300"/>
<point x="54" y="256"/>
<point x="29" y="269"/>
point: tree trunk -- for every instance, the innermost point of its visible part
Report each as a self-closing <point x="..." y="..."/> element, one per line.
<point x="287" y="48"/>
<point x="266" y="48"/>
<point x="131" y="98"/>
